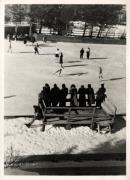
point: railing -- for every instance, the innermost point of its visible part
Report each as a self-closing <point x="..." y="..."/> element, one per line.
<point x="88" y="116"/>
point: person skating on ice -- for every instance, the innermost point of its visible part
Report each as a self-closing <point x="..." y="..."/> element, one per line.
<point x="36" y="51"/>
<point x="59" y="71"/>
<point x="100" y="73"/>
<point x="61" y="60"/>
<point x="61" y="64"/>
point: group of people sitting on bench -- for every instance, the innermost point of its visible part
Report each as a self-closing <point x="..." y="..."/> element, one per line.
<point x="58" y="97"/>
<point x="54" y="97"/>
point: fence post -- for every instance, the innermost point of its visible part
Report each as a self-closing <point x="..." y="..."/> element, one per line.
<point x="44" y="117"/>
<point x="68" y="125"/>
<point x="92" y="124"/>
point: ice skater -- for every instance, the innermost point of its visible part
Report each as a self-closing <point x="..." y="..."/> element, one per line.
<point x="59" y="71"/>
<point x="88" y="53"/>
<point x="81" y="53"/>
<point x="36" y="51"/>
<point x="100" y="73"/>
<point x="61" y="60"/>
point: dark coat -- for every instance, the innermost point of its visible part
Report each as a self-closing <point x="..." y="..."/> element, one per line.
<point x="73" y="98"/>
<point x="91" y="96"/>
<point x="63" y="95"/>
<point x="82" y="51"/>
<point x="55" y="93"/>
<point x="61" y="59"/>
<point x="82" y="98"/>
<point x="101" y="94"/>
<point x="46" y="96"/>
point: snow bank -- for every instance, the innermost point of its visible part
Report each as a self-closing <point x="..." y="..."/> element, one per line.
<point x="57" y="140"/>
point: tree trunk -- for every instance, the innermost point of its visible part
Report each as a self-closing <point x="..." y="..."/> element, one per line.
<point x="40" y="29"/>
<point x="84" y="29"/>
<point x="30" y="30"/>
<point x="59" y="32"/>
<point x="16" y="28"/>
<point x="91" y="32"/>
<point x="100" y="31"/>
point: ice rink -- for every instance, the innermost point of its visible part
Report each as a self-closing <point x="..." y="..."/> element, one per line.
<point x="26" y="73"/>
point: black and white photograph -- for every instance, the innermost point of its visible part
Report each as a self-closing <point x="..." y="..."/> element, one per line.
<point x="65" y="89"/>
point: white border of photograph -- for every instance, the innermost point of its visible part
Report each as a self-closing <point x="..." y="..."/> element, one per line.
<point x="2" y="2"/>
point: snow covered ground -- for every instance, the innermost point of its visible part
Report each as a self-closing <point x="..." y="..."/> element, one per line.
<point x="26" y="73"/>
<point x="57" y="140"/>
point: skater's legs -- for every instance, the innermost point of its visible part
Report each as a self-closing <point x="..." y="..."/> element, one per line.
<point x="60" y="72"/>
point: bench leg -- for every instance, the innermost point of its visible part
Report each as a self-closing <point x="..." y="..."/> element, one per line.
<point x="43" y="127"/>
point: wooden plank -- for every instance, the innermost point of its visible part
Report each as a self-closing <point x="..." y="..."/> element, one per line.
<point x="54" y="115"/>
<point x="67" y="108"/>
<point x="70" y="122"/>
<point x="92" y="123"/>
<point x="87" y="121"/>
<point x="75" y="116"/>
<point x="68" y="118"/>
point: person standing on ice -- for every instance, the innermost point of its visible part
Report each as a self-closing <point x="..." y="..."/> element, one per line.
<point x="81" y="53"/>
<point x="88" y="53"/>
<point x="36" y="49"/>
<point x="100" y="73"/>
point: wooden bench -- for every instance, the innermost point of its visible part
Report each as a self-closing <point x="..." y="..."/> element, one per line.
<point x="69" y="116"/>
